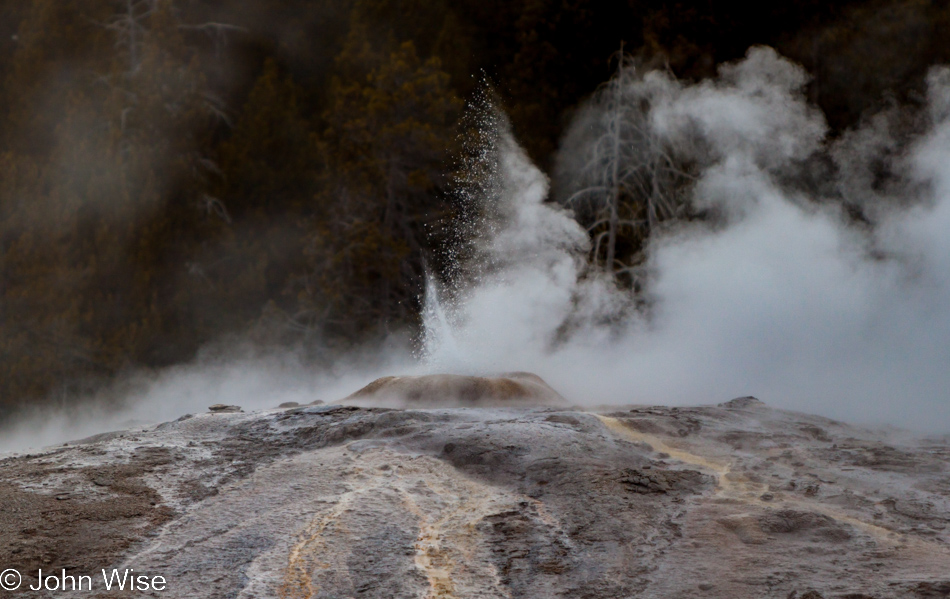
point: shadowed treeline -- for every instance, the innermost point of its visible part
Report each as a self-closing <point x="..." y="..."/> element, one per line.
<point x="178" y="172"/>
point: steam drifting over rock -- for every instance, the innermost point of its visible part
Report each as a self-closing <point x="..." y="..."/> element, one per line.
<point x="447" y="390"/>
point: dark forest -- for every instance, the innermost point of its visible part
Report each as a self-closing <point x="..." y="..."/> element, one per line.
<point x="180" y="173"/>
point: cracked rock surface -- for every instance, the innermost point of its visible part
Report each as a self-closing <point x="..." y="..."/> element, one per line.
<point x="732" y="501"/>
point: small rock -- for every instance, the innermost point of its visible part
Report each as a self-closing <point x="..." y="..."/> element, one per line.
<point x="323" y="410"/>
<point x="767" y="497"/>
<point x="220" y="408"/>
<point x="640" y="482"/>
<point x="316" y="402"/>
<point x="288" y="404"/>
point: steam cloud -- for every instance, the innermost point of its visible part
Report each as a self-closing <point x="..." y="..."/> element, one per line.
<point x="786" y="301"/>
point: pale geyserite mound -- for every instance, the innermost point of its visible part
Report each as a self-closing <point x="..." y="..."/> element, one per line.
<point x="507" y="389"/>
<point x="739" y="501"/>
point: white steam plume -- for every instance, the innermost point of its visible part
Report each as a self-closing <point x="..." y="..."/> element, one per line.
<point x="784" y="301"/>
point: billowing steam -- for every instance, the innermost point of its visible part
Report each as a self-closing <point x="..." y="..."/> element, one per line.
<point x="782" y="299"/>
<point x="779" y="294"/>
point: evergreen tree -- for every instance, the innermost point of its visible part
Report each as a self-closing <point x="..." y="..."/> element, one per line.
<point x="390" y="136"/>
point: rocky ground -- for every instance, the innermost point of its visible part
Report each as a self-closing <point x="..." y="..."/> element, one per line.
<point x="731" y="501"/>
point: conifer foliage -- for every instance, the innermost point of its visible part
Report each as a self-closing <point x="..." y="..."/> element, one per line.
<point x="173" y="172"/>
